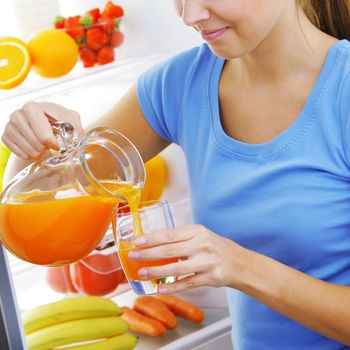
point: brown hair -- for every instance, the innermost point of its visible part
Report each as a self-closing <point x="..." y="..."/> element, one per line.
<point x="330" y="16"/>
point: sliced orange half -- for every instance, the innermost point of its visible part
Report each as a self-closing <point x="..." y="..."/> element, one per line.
<point x="15" y="62"/>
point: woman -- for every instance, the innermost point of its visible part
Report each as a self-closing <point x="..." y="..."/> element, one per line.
<point x="262" y="113"/>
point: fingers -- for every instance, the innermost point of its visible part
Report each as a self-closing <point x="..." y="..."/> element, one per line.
<point x="26" y="133"/>
<point x="174" y="250"/>
<point x="39" y="124"/>
<point x="21" y="142"/>
<point x="20" y="126"/>
<point x="187" y="283"/>
<point x="14" y="147"/>
<point x="63" y="114"/>
<point x="180" y="268"/>
<point x="206" y="255"/>
<point x="167" y="236"/>
<point x="29" y="133"/>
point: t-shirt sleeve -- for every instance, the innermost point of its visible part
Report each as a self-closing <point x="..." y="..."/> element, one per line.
<point x="161" y="91"/>
<point x="151" y="92"/>
<point x="345" y="116"/>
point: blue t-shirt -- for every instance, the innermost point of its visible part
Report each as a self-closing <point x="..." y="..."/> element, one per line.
<point x="288" y="198"/>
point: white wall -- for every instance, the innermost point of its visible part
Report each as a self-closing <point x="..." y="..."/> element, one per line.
<point x="147" y="23"/>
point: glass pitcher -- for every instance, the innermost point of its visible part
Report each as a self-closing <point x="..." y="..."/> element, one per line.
<point x="56" y="211"/>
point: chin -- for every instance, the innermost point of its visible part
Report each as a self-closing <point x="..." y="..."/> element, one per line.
<point x="227" y="53"/>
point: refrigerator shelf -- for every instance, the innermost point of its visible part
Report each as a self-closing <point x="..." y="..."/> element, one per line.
<point x="191" y="336"/>
<point x="215" y="330"/>
<point x="36" y="87"/>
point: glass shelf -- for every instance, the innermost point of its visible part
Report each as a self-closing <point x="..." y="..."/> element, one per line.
<point x="90" y="91"/>
<point x="36" y="87"/>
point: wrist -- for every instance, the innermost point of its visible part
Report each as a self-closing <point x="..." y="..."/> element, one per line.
<point x="241" y="260"/>
<point x="258" y="275"/>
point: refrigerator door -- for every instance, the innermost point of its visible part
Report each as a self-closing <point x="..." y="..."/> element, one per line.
<point x="11" y="332"/>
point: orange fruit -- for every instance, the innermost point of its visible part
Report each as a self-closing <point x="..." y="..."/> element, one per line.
<point x="156" y="172"/>
<point x="54" y="53"/>
<point x="146" y="188"/>
<point x="4" y="154"/>
<point x="15" y="62"/>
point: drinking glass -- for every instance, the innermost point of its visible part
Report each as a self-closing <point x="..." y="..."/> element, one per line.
<point x="154" y="215"/>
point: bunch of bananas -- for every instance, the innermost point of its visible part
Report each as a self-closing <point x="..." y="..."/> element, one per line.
<point x="78" y="320"/>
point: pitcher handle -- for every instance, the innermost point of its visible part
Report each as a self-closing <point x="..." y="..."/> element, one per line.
<point x="66" y="136"/>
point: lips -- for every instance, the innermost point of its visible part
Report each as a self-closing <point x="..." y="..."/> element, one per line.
<point x="213" y="34"/>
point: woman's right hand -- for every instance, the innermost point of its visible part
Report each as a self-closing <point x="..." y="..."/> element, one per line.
<point x="28" y="134"/>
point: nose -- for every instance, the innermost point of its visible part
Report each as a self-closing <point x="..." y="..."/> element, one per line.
<point x="194" y="12"/>
<point x="178" y="6"/>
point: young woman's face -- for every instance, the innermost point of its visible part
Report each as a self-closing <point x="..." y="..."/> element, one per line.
<point x="232" y="28"/>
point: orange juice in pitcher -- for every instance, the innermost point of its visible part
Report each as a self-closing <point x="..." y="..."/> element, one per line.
<point x="56" y="211"/>
<point x="54" y="232"/>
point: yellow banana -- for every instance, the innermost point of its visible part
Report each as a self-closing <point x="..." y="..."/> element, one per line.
<point x="126" y="341"/>
<point x="76" y="331"/>
<point x="75" y="308"/>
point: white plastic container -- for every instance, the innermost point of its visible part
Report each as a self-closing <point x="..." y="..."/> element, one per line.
<point x="33" y="16"/>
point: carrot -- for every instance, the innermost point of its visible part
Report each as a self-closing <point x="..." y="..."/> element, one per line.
<point x="182" y="308"/>
<point x="142" y="324"/>
<point x="156" y="309"/>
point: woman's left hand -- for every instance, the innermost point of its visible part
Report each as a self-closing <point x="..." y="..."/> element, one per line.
<point x="210" y="259"/>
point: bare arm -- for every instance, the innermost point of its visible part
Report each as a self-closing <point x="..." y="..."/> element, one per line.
<point x="216" y="261"/>
<point x="127" y="117"/>
<point x="322" y="306"/>
<point x="29" y="135"/>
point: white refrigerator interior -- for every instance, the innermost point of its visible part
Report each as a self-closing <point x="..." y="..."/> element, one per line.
<point x="153" y="32"/>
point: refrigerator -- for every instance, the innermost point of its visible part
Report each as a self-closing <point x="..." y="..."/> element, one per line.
<point x="153" y="33"/>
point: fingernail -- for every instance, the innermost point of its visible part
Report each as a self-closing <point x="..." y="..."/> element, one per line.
<point x="140" y="241"/>
<point x="143" y="273"/>
<point x="162" y="290"/>
<point x="134" y="254"/>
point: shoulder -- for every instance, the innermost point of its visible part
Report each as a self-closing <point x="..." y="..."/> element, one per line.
<point x="341" y="76"/>
<point x="343" y="64"/>
<point x="161" y="90"/>
<point x="343" y="50"/>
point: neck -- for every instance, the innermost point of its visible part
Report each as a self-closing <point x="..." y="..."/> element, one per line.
<point x="277" y="58"/>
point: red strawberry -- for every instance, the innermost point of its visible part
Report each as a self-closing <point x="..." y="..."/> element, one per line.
<point x="96" y="38"/>
<point x="59" y="22"/>
<point x="87" y="56"/>
<point x="106" y="24"/>
<point x="105" y="55"/>
<point x="112" y="11"/>
<point x="123" y="208"/>
<point x="117" y="39"/>
<point x="74" y="28"/>
<point x="95" y="14"/>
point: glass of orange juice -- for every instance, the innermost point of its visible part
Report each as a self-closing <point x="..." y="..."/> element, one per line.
<point x="129" y="225"/>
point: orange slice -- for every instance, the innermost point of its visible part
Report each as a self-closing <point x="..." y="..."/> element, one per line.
<point x="15" y="62"/>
